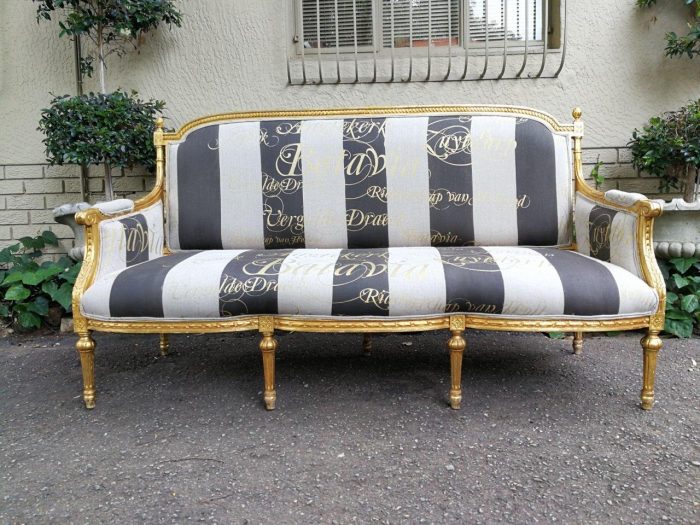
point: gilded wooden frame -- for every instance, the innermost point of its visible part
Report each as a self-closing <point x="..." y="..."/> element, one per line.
<point x="645" y="211"/>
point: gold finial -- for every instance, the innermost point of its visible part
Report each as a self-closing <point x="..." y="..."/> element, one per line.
<point x="577" y="113"/>
<point x="159" y="123"/>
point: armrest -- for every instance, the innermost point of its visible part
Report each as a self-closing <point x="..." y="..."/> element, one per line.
<point x="617" y="227"/>
<point x="116" y="242"/>
<point x="115" y="207"/>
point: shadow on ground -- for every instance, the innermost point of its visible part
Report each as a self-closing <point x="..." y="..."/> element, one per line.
<point x="542" y="435"/>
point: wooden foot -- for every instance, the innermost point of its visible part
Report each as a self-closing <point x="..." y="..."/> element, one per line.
<point x="456" y="344"/>
<point x="164" y="345"/>
<point x="86" y="349"/>
<point x="578" y="343"/>
<point x="651" y="343"/>
<point x="367" y="345"/>
<point x="268" y="345"/>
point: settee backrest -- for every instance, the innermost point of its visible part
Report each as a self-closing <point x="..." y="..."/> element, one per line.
<point x="408" y="177"/>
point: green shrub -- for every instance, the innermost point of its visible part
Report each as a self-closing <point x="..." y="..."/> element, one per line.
<point x="669" y="148"/>
<point x="114" y="129"/>
<point x="682" y="277"/>
<point x="28" y="288"/>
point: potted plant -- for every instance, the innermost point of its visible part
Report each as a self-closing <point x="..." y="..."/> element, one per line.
<point x="668" y="147"/>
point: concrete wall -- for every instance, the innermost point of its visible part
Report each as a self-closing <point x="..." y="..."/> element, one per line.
<point x="231" y="55"/>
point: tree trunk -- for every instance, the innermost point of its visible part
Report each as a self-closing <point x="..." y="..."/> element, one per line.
<point x="689" y="187"/>
<point x="109" y="190"/>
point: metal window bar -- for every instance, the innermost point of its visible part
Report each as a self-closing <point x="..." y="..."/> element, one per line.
<point x="381" y="19"/>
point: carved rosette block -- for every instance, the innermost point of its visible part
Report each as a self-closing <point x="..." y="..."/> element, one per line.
<point x="86" y="349"/>
<point x="651" y="343"/>
<point x="578" y="343"/>
<point x="456" y="344"/>
<point x="164" y="345"/>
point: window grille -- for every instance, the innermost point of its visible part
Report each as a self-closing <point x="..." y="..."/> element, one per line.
<point x="338" y="41"/>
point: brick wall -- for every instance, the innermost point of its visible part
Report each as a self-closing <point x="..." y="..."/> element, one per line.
<point x="29" y="193"/>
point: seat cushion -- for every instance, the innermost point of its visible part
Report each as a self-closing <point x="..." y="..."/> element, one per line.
<point x="395" y="282"/>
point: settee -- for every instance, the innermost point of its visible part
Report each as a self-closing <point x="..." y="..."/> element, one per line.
<point x="397" y="219"/>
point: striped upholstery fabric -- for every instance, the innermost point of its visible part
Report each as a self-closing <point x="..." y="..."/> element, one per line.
<point x="130" y="240"/>
<point x="395" y="181"/>
<point x="377" y="282"/>
<point x="607" y="234"/>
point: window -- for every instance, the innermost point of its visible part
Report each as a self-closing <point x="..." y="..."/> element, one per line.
<point x="424" y="40"/>
<point x="343" y="25"/>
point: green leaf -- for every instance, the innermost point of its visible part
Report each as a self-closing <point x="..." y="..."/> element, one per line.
<point x="36" y="243"/>
<point x="4" y="311"/>
<point x="678" y="328"/>
<point x="678" y="314"/>
<point x="39" y="306"/>
<point x="556" y="335"/>
<point x="61" y="294"/>
<point x="671" y="298"/>
<point x="17" y="292"/>
<point x="681" y="282"/>
<point x="690" y="303"/>
<point x="13" y="277"/>
<point x="50" y="237"/>
<point x="29" y="320"/>
<point x="683" y="264"/>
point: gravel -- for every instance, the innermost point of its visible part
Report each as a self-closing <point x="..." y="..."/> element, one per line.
<point x="542" y="436"/>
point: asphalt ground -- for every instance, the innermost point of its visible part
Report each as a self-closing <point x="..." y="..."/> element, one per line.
<point x="543" y="436"/>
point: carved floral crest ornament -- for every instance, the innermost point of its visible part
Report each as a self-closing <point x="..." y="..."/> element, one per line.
<point x="372" y="220"/>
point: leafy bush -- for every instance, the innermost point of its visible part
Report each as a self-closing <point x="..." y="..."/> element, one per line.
<point x="115" y="129"/>
<point x="29" y="288"/>
<point x="112" y="25"/>
<point x="689" y="44"/>
<point x="683" y="295"/>
<point x="669" y="148"/>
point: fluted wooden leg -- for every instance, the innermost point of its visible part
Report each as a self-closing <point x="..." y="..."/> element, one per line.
<point x="456" y="344"/>
<point x="86" y="349"/>
<point x="367" y="345"/>
<point x="164" y="345"/>
<point x="268" y="345"/>
<point x="651" y="343"/>
<point x="578" y="343"/>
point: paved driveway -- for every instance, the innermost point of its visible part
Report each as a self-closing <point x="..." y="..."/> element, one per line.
<point x="542" y="436"/>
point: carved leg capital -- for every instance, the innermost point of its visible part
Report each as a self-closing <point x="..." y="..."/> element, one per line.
<point x="268" y="345"/>
<point x="578" y="343"/>
<point x="86" y="349"/>
<point x="164" y="345"/>
<point x="651" y="343"/>
<point x="456" y="344"/>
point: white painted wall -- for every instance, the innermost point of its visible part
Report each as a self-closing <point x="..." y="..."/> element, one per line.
<point x="231" y="55"/>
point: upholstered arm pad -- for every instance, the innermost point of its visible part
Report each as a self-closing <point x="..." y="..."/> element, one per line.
<point x="115" y="207"/>
<point x="608" y="233"/>
<point x="130" y="239"/>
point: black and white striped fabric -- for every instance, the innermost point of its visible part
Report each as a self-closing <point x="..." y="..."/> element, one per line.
<point x="374" y="282"/>
<point x="607" y="234"/>
<point x="395" y="181"/>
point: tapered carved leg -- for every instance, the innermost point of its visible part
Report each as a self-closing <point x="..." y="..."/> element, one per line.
<point x="164" y="345"/>
<point x="86" y="349"/>
<point x="268" y="345"/>
<point x="367" y="345"/>
<point x="456" y="344"/>
<point x="651" y="343"/>
<point x="578" y="343"/>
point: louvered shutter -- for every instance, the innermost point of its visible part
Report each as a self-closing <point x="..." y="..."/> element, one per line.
<point x="435" y="20"/>
<point x="353" y="17"/>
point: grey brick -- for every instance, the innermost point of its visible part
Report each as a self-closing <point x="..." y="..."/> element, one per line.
<point x="52" y="201"/>
<point x="14" y="217"/>
<point x="61" y="231"/>
<point x="69" y="170"/>
<point x="624" y="155"/>
<point x="41" y="217"/>
<point x="5" y="232"/>
<point x="43" y="186"/>
<point x="34" y="171"/>
<point x="2" y="203"/>
<point x="71" y="185"/>
<point x="8" y="187"/>
<point x="96" y="185"/>
<point x="132" y="184"/>
<point x="640" y="185"/>
<point x="25" y="202"/>
<point x="607" y="155"/>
